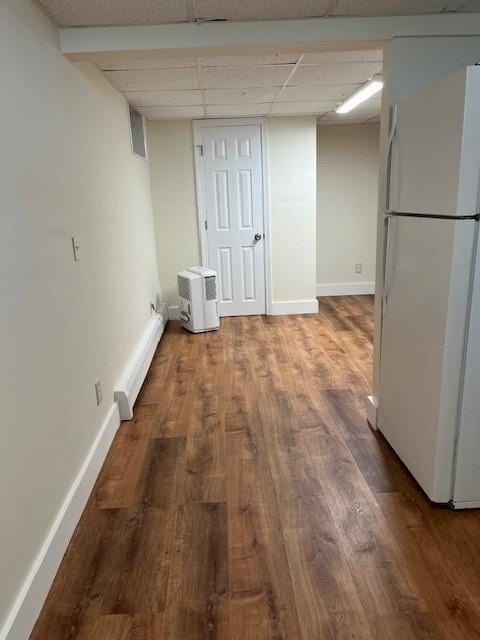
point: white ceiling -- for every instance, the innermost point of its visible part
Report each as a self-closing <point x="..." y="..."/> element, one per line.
<point x="132" y="12"/>
<point x="283" y="84"/>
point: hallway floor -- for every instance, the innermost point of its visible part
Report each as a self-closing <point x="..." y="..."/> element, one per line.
<point x="249" y="500"/>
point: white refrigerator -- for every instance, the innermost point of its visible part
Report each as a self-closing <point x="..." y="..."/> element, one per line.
<point x="429" y="382"/>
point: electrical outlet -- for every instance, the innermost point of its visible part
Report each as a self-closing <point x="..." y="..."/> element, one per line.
<point x="358" y="267"/>
<point x="76" y="249"/>
<point x="98" y="391"/>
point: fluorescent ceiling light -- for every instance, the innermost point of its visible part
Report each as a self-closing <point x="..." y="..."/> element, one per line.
<point x="368" y="90"/>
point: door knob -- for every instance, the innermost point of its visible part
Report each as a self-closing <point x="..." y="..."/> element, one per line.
<point x="257" y="237"/>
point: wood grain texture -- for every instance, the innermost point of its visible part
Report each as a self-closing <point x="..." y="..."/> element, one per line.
<point x="249" y="500"/>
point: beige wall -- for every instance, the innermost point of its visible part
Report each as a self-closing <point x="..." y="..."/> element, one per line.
<point x="66" y="168"/>
<point x="292" y="176"/>
<point x="170" y="146"/>
<point x="292" y="164"/>
<point x="347" y="198"/>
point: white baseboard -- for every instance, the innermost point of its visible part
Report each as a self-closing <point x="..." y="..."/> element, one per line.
<point x="475" y="504"/>
<point x="283" y="308"/>
<point x="127" y="389"/>
<point x="345" y="289"/>
<point x="292" y="307"/>
<point x="372" y="410"/>
<point x="34" y="591"/>
<point x="174" y="312"/>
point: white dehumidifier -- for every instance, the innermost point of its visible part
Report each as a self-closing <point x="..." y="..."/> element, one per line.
<point x="197" y="292"/>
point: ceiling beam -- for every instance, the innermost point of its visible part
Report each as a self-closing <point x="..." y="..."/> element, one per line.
<point x="211" y="38"/>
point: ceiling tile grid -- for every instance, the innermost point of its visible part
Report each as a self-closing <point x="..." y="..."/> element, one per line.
<point x="349" y="118"/>
<point x="74" y="13"/>
<point x="334" y="73"/>
<point x="164" y="98"/>
<point x="235" y="86"/>
<point x="318" y="93"/>
<point x="228" y="111"/>
<point x="473" y="6"/>
<point x="171" y="113"/>
<point x="222" y="86"/>
<point x="305" y="108"/>
<point x="231" y="77"/>
<point x="153" y="79"/>
<point x="248" y="95"/>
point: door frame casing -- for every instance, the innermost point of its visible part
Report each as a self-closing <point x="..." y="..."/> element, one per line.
<point x="198" y="125"/>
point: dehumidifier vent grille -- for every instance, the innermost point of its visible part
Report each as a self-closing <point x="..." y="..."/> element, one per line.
<point x="211" y="288"/>
<point x="184" y="290"/>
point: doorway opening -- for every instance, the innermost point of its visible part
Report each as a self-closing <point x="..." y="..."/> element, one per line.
<point x="232" y="211"/>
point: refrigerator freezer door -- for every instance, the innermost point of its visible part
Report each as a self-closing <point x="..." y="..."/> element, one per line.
<point x="423" y="334"/>
<point x="436" y="150"/>
<point x="467" y="465"/>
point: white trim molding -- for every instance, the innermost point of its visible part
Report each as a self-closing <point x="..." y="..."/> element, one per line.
<point x="198" y="125"/>
<point x="128" y="388"/>
<point x="475" y="504"/>
<point x="32" y="595"/>
<point x="345" y="289"/>
<point x="294" y="307"/>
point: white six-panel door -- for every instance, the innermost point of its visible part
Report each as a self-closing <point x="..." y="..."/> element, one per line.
<point x="230" y="170"/>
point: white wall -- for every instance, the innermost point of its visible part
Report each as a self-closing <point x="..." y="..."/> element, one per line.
<point x="292" y="178"/>
<point x="65" y="168"/>
<point x="171" y="156"/>
<point x="347" y="197"/>
<point x="292" y="161"/>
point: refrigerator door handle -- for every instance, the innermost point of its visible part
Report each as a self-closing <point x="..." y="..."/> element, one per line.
<point x="388" y="162"/>
<point x="385" y="266"/>
<point x="388" y="155"/>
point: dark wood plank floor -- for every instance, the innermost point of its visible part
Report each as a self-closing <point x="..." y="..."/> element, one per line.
<point x="249" y="500"/>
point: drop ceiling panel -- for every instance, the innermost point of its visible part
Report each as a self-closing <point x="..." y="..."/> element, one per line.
<point x="386" y="7"/>
<point x="343" y="56"/>
<point x="296" y="108"/>
<point x="249" y="61"/>
<point x="471" y="7"/>
<point x="335" y="73"/>
<point x="372" y="104"/>
<point x="148" y="63"/>
<point x="317" y="93"/>
<point x="239" y="96"/>
<point x="116" y="12"/>
<point x="241" y="77"/>
<point x="136" y="12"/>
<point x="256" y="10"/>
<point x="165" y="98"/>
<point x="347" y="118"/>
<point x="232" y="111"/>
<point x="170" y="113"/>
<point x="236" y="86"/>
<point x="153" y="79"/>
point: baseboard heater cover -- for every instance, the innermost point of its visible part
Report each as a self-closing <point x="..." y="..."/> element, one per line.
<point x="129" y="387"/>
